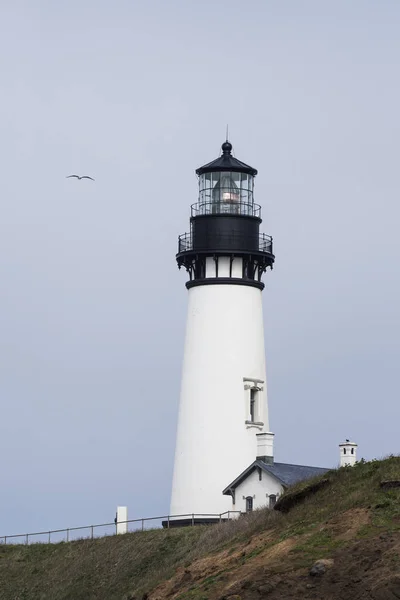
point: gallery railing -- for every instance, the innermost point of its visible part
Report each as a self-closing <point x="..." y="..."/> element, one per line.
<point x="249" y="209"/>
<point x="262" y="243"/>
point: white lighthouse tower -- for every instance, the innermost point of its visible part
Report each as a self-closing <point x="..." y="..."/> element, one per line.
<point x="223" y="403"/>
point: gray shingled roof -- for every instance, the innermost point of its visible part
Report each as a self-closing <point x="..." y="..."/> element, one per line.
<point x="286" y="474"/>
<point x="291" y="474"/>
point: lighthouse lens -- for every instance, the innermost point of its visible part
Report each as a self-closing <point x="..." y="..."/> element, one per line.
<point x="226" y="192"/>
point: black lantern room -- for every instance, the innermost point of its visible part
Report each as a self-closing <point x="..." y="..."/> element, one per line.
<point x="225" y="222"/>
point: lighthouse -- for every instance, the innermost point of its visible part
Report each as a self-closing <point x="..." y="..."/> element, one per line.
<point x="223" y="402"/>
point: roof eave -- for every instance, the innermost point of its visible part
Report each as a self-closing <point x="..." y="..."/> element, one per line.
<point x="256" y="464"/>
<point x="207" y="169"/>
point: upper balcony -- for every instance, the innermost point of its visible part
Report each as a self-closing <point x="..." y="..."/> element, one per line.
<point x="229" y="243"/>
<point x="224" y="207"/>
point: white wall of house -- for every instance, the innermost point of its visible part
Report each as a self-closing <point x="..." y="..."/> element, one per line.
<point x="260" y="491"/>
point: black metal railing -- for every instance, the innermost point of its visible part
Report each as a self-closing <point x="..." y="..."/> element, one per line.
<point x="248" y="209"/>
<point x="105" y="529"/>
<point x="263" y="243"/>
<point x="185" y="243"/>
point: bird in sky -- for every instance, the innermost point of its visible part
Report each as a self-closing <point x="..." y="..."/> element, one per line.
<point x="347" y="440"/>
<point x="80" y="177"/>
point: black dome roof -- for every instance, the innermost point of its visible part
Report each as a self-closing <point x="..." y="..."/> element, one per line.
<point x="226" y="162"/>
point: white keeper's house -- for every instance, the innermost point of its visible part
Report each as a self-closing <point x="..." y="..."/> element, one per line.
<point x="265" y="480"/>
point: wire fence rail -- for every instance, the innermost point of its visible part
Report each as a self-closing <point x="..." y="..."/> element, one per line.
<point x="105" y="529"/>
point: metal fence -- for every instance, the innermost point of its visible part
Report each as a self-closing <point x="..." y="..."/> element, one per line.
<point x="105" y="529"/>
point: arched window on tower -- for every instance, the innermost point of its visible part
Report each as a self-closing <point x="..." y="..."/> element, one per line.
<point x="352" y="450"/>
<point x="344" y="450"/>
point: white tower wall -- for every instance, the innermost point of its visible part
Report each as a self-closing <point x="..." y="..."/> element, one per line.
<point x="224" y="357"/>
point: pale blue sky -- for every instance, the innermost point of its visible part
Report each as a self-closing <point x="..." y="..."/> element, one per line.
<point x="92" y="305"/>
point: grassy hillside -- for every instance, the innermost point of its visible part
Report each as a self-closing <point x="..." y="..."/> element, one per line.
<point x="352" y="524"/>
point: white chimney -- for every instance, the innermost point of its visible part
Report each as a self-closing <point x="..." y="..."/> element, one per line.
<point x="348" y="453"/>
<point x="265" y="447"/>
<point x="121" y="518"/>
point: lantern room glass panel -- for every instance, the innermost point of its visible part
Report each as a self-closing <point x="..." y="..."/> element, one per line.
<point x="204" y="192"/>
<point x="246" y="193"/>
<point x="225" y="192"/>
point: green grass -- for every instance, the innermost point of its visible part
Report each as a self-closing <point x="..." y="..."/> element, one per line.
<point x="110" y="567"/>
<point x="320" y="544"/>
<point x="351" y="487"/>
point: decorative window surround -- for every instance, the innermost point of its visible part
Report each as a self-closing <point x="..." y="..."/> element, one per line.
<point x="272" y="500"/>
<point x="253" y="383"/>
<point x="253" y="387"/>
<point x="253" y="380"/>
<point x="258" y="424"/>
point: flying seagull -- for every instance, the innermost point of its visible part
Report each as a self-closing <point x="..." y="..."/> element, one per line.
<point x="347" y="440"/>
<point x="80" y="177"/>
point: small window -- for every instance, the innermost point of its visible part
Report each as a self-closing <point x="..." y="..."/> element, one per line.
<point x="272" y="500"/>
<point x="249" y="269"/>
<point x="253" y="399"/>
<point x="352" y="450"/>
<point x="249" y="504"/>
<point x="344" y="450"/>
<point x="200" y="269"/>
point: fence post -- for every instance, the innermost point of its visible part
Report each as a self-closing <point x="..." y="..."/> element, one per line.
<point x="92" y="531"/>
<point x="168" y="523"/>
<point x="27" y="539"/>
<point x="5" y="539"/>
<point x="49" y="536"/>
<point x="220" y="518"/>
<point x="192" y="519"/>
<point x="142" y="524"/>
<point x="67" y="535"/>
